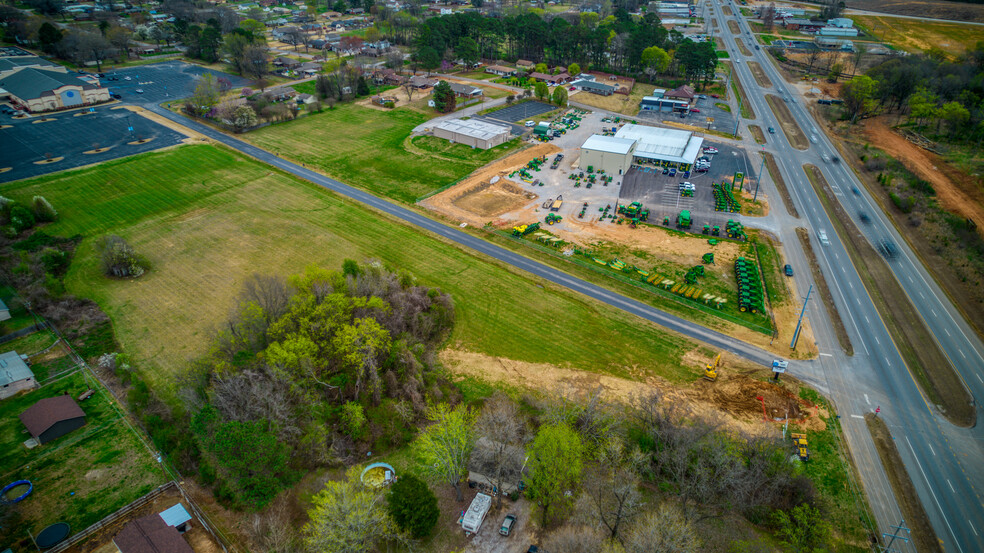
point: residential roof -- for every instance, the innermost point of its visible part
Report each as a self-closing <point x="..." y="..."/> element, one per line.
<point x="684" y="91"/>
<point x="608" y="144"/>
<point x="13" y="368"/>
<point x="3" y="306"/>
<point x="150" y="534"/>
<point x="664" y="144"/>
<point x="593" y="85"/>
<point x="473" y="128"/>
<point x="465" y="89"/>
<point x="33" y="83"/>
<point x="501" y="68"/>
<point x="49" y="411"/>
<point x="541" y="76"/>
<point x="175" y="515"/>
<point x="522" y="63"/>
<point x="281" y="60"/>
<point x="421" y="81"/>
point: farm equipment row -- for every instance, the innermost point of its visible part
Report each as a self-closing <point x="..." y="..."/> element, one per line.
<point x="749" y="286"/>
<point x="724" y="199"/>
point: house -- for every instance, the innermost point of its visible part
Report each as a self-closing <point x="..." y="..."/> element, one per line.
<point x="280" y="33"/>
<point x="541" y="77"/>
<point x="280" y="94"/>
<point x="152" y="534"/>
<point x="286" y="63"/>
<point x="682" y="94"/>
<point x="593" y="87"/>
<point x="318" y="44"/>
<point x="52" y="418"/>
<point x="4" y="311"/>
<point x="309" y="68"/>
<point x="38" y="90"/>
<point x="560" y="78"/>
<point x="805" y="25"/>
<point x="525" y="64"/>
<point x="500" y="70"/>
<point x="418" y="81"/>
<point x="15" y="375"/>
<point x="466" y="91"/>
<point x="305" y="99"/>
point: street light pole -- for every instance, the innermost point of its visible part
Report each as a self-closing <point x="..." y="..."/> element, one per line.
<point x="759" y="179"/>
<point x="796" y="334"/>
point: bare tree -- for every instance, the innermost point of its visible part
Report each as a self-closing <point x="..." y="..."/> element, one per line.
<point x="769" y="17"/>
<point x="273" y="529"/>
<point x="859" y="51"/>
<point x="271" y="292"/>
<point x="666" y="529"/>
<point x="614" y="488"/>
<point x="498" y="454"/>
<point x="574" y="539"/>
<point x="409" y="89"/>
<point x="256" y="394"/>
<point x="813" y="55"/>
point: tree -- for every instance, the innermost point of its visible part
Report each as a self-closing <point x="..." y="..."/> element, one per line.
<point x="922" y="105"/>
<point x="541" y="90"/>
<point x="655" y="60"/>
<point x="362" y="87"/>
<point x="467" y="50"/>
<point x="574" y="70"/>
<point x="43" y="210"/>
<point x="955" y="114"/>
<point x="835" y="71"/>
<point x="540" y="68"/>
<point x="560" y="96"/>
<point x="121" y="38"/>
<point x="445" y="447"/>
<point x="555" y="463"/>
<point x="859" y="51"/>
<point x="444" y="100"/>
<point x="804" y="528"/>
<point x="499" y="455"/>
<point x="614" y="489"/>
<point x="858" y="95"/>
<point x="413" y="506"/>
<point x="409" y="89"/>
<point x="254" y="62"/>
<point x="205" y="96"/>
<point x="118" y="258"/>
<point x="427" y="57"/>
<point x="347" y="517"/>
<point x="358" y="347"/>
<point x="574" y="539"/>
<point x="49" y="36"/>
<point x="665" y="530"/>
<point x="244" y="117"/>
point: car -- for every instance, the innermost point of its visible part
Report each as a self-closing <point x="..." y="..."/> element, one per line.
<point x="710" y="150"/>
<point x="813" y="138"/>
<point x="772" y="130"/>
<point x="888" y="248"/>
<point x="665" y="170"/>
<point x="835" y="159"/>
<point x="139" y="91"/>
<point x="822" y="235"/>
<point x="673" y="172"/>
<point x="116" y="95"/>
<point x="863" y="215"/>
<point x="530" y="123"/>
<point x="715" y="96"/>
<point x="127" y="78"/>
<point x="757" y="47"/>
<point x="507" y="525"/>
<point x="788" y="269"/>
<point x="695" y="110"/>
<point x="855" y="190"/>
<point x="702" y="96"/>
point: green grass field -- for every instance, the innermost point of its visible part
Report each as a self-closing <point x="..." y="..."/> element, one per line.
<point x="78" y="478"/>
<point x="913" y="35"/>
<point x="206" y="218"/>
<point x="365" y="148"/>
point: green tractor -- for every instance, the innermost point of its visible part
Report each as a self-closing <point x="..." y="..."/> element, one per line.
<point x="684" y="220"/>
<point x="552" y="218"/>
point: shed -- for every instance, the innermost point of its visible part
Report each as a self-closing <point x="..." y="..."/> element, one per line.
<point x="52" y="418"/>
<point x="4" y="311"/>
<point x="176" y="516"/>
<point x="525" y="64"/>
<point x="150" y="534"/>
<point x="15" y="375"/>
<point x="472" y="132"/>
<point x="472" y="520"/>
<point x="542" y="128"/>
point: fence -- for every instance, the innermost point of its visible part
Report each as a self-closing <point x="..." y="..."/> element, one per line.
<point x="21" y="333"/>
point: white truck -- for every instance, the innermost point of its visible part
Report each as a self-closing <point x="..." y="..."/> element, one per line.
<point x="471" y="522"/>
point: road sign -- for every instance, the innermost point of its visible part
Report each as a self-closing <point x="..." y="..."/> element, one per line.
<point x="710" y="119"/>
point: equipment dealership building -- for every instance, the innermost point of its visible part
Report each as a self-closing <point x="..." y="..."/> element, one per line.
<point x="640" y="145"/>
<point x="471" y="132"/>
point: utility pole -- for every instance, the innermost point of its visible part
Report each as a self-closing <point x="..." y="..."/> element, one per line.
<point x="895" y="535"/>
<point x="796" y="334"/>
<point x="759" y="179"/>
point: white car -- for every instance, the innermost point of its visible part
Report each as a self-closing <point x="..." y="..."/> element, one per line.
<point x="127" y="78"/>
<point x="710" y="150"/>
<point x="530" y="123"/>
<point x="822" y="235"/>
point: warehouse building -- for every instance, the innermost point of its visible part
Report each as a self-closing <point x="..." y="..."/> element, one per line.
<point x="477" y="134"/>
<point x="653" y="103"/>
<point x="640" y="145"/>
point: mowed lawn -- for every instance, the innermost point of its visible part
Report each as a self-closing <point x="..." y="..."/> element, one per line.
<point x="207" y="218"/>
<point x="365" y="147"/>
<point x="917" y="36"/>
<point x="82" y="476"/>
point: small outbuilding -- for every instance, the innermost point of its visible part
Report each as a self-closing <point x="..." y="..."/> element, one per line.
<point x="471" y="132"/>
<point x="52" y="418"/>
<point x="4" y="311"/>
<point x="151" y="534"/>
<point x="15" y="375"/>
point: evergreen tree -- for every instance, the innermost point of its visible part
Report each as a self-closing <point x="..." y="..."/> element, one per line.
<point x="413" y="506"/>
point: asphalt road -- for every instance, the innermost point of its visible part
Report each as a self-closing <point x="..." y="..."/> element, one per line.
<point x="940" y="458"/>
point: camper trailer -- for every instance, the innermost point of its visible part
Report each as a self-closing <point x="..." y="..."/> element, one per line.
<point x="476" y="512"/>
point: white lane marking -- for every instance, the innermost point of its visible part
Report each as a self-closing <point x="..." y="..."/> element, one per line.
<point x="910" y="279"/>
<point x="866" y="400"/>
<point x="877" y="340"/>
<point x="829" y="355"/>
<point x="972" y="528"/>
<point x="947" y="332"/>
<point x="960" y="351"/>
<point x="851" y="284"/>
<point x="978" y="376"/>
<point x="857" y="417"/>
<point x="866" y="319"/>
<point x="921" y="295"/>
<point x="934" y="312"/>
<point x="858" y="300"/>
<point x="931" y="448"/>
<point x="940" y="509"/>
<point x="951" y="486"/>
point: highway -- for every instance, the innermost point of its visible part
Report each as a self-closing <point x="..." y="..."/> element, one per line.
<point x="941" y="459"/>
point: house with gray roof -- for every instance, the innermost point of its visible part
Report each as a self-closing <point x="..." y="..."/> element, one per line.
<point x="15" y="375"/>
<point x="38" y="90"/>
<point x="594" y="87"/>
<point x="466" y="90"/>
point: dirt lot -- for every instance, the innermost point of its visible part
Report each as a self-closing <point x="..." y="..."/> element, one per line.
<point x="797" y="139"/>
<point x="733" y="25"/>
<point x="488" y="539"/>
<point x="760" y="77"/>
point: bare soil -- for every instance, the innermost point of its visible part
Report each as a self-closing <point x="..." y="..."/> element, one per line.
<point x="733" y="25"/>
<point x="490" y="200"/>
<point x="757" y="72"/>
<point x="825" y="295"/>
<point x="744" y="49"/>
<point x="795" y="135"/>
<point x="905" y="493"/>
<point x="938" y="9"/>
<point x="757" y="133"/>
<point x="921" y="352"/>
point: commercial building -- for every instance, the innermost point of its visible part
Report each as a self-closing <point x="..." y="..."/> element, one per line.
<point x="15" y="375"/>
<point x="640" y="145"/>
<point x="471" y="132"/>
<point x="594" y="87"/>
<point x="838" y="31"/>
<point x="37" y="90"/>
<point x="654" y="103"/>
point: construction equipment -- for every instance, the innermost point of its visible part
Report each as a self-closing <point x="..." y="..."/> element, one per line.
<point x="684" y="220"/>
<point x="710" y="371"/>
<point x="553" y="218"/>
<point x="802" y="449"/>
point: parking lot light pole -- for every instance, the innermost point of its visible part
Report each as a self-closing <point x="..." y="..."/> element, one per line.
<point x="759" y="179"/>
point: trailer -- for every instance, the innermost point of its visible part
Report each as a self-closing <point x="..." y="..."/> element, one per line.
<point x="555" y="206"/>
<point x="471" y="522"/>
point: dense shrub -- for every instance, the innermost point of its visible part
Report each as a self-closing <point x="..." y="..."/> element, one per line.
<point x="118" y="258"/>
<point x="43" y="210"/>
<point x="413" y="506"/>
<point x="21" y="218"/>
<point x="905" y="205"/>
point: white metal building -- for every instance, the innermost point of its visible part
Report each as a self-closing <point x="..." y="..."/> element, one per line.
<point x="471" y="132"/>
<point x="662" y="146"/>
<point x="606" y="153"/>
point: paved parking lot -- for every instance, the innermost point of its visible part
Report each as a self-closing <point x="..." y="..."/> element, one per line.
<point x="660" y="194"/>
<point x="723" y="121"/>
<point x="69" y="135"/>
<point x="521" y="111"/>
<point x="161" y="82"/>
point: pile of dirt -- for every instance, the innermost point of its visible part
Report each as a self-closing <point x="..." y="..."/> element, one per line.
<point x="738" y="395"/>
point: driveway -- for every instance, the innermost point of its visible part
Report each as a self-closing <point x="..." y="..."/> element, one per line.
<point x="488" y="539"/>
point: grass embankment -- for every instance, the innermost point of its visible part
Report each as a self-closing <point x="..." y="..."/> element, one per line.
<point x="746" y="108"/>
<point x="930" y="367"/>
<point x="744" y="49"/>
<point x="905" y="493"/>
<point x="773" y="168"/>
<point x="207" y="218"/>
<point x="722" y="54"/>
<point x="78" y="478"/>
<point x="757" y="133"/>
<point x="825" y="296"/>
<point x="797" y="138"/>
<point x="366" y="148"/>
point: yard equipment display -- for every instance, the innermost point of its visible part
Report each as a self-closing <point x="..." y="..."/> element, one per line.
<point x="708" y="258"/>
<point x="684" y="220"/>
<point x="687" y="189"/>
<point x="749" y="286"/>
<point x="724" y="199"/>
<point x="553" y="218"/>
<point x="523" y="230"/>
<point x="739" y="181"/>
<point x="736" y="230"/>
<point x="634" y="212"/>
<point x="710" y="370"/>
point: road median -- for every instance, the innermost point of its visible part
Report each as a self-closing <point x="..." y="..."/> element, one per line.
<point x="825" y="296"/>
<point x="795" y="135"/>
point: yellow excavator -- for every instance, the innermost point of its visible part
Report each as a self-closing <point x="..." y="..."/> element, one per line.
<point x="710" y="371"/>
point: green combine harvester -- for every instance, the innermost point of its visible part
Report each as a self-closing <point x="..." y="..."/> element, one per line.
<point x="736" y="230"/>
<point x="684" y="220"/>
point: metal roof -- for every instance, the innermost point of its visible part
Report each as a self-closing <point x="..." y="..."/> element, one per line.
<point x="7" y="64"/>
<point x="30" y="83"/>
<point x="472" y="128"/>
<point x="175" y="516"/>
<point x="582" y="83"/>
<point x="13" y="368"/>
<point x="608" y="144"/>
<point x="663" y="144"/>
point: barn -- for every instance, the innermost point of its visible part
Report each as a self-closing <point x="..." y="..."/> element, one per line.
<point x="53" y="417"/>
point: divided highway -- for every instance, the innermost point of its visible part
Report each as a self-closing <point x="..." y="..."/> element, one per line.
<point x="940" y="458"/>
